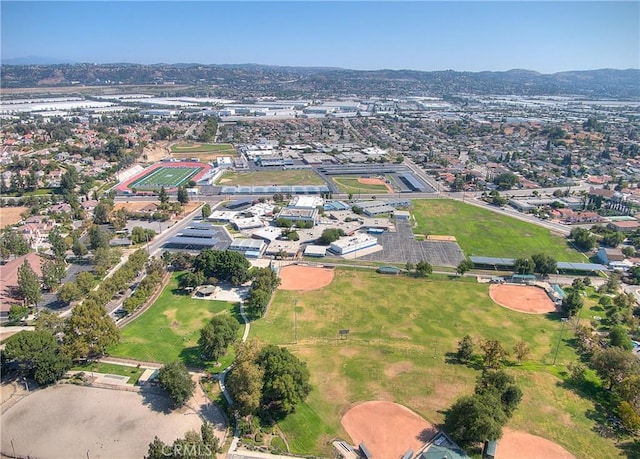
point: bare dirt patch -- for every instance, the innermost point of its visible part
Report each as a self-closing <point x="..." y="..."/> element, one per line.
<point x="155" y="153"/>
<point x="522" y="298"/>
<point x="375" y="181"/>
<point x="394" y="369"/>
<point x="522" y="445"/>
<point x="134" y="206"/>
<point x="303" y="278"/>
<point x="387" y="429"/>
<point x="11" y="215"/>
<point x="108" y="423"/>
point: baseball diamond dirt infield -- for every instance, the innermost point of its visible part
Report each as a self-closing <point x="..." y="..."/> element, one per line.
<point x="521" y="445"/>
<point x="387" y="429"/>
<point x="294" y="277"/>
<point x="375" y="181"/>
<point x="522" y="298"/>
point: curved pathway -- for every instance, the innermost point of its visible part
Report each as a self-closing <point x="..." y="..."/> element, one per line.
<point x="247" y="326"/>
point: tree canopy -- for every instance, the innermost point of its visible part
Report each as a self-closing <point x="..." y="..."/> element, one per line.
<point x="176" y="380"/>
<point x="38" y="354"/>
<point x="217" y="335"/>
<point x="225" y="265"/>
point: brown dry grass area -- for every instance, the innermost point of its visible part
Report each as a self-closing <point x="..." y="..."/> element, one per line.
<point x="375" y="181"/>
<point x="387" y="429"/>
<point x="526" y="446"/>
<point x="156" y="152"/>
<point x="11" y="215"/>
<point x="133" y="206"/>
<point x="522" y="298"/>
<point x="303" y="278"/>
<point x="435" y="237"/>
<point x="190" y="207"/>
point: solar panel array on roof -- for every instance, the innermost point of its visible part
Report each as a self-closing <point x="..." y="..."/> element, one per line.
<point x="412" y="181"/>
<point x="493" y="261"/>
<point x="271" y="189"/>
<point x="581" y="266"/>
<point x="202" y="233"/>
<point x="185" y="242"/>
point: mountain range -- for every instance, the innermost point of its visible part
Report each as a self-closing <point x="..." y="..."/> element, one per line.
<point x="242" y="80"/>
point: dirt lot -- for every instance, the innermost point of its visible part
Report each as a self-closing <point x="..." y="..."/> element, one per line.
<point x="387" y="429"/>
<point x="522" y="298"/>
<point x="156" y="152"/>
<point x="74" y="421"/>
<point x="526" y="446"/>
<point x="295" y="277"/>
<point x="11" y="215"/>
<point x="134" y="206"/>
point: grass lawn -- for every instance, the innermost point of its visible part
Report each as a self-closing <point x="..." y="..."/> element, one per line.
<point x="351" y="185"/>
<point x="481" y="232"/>
<point x="112" y="369"/>
<point x="403" y="332"/>
<point x="170" y="328"/>
<point x="201" y="148"/>
<point x="264" y="178"/>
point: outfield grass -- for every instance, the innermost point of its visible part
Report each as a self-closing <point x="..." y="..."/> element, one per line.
<point x="264" y="178"/>
<point x="113" y="369"/>
<point x="403" y="332"/>
<point x="170" y="328"/>
<point x="201" y="148"/>
<point x="481" y="232"/>
<point x="351" y="185"/>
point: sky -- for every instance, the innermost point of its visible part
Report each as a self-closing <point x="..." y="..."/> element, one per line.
<point x="544" y="36"/>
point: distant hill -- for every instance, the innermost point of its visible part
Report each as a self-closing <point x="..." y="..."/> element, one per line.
<point x="34" y="60"/>
<point x="246" y="80"/>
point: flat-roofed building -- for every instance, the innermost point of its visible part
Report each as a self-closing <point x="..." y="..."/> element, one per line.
<point x="350" y="244"/>
<point x="242" y="224"/>
<point x="253" y="248"/>
<point x="306" y="202"/>
<point x="299" y="215"/>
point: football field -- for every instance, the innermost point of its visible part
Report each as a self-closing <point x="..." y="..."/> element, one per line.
<point x="168" y="177"/>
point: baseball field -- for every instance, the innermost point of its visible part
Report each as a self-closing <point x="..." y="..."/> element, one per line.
<point x="402" y="334"/>
<point x="265" y="178"/>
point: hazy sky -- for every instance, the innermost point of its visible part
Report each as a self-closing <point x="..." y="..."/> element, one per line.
<point x="421" y="35"/>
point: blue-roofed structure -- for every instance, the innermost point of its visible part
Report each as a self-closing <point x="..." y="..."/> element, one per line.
<point x="493" y="261"/>
<point x="271" y="189"/>
<point x="568" y="266"/>
<point x="561" y="265"/>
<point x="412" y="182"/>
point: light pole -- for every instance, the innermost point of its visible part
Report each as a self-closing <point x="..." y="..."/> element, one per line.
<point x="559" y="340"/>
<point x="295" y="320"/>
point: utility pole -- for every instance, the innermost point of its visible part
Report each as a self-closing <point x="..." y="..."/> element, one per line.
<point x="559" y="340"/>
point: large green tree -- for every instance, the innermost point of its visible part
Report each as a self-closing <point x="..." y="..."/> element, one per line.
<point x="225" y="265"/>
<point x="38" y="354"/>
<point x="475" y="418"/>
<point x="217" y="335"/>
<point x="614" y="365"/>
<point x="285" y="383"/>
<point x="29" y="284"/>
<point x="176" y="380"/>
<point x="89" y="330"/>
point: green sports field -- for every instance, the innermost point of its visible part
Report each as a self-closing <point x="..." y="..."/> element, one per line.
<point x="170" y="328"/>
<point x="266" y="178"/>
<point x="481" y="232"/>
<point x="220" y="148"/>
<point x="403" y="332"/>
<point x="352" y="185"/>
<point x="168" y="177"/>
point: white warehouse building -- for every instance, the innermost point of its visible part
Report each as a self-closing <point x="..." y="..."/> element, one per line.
<point x="346" y="245"/>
